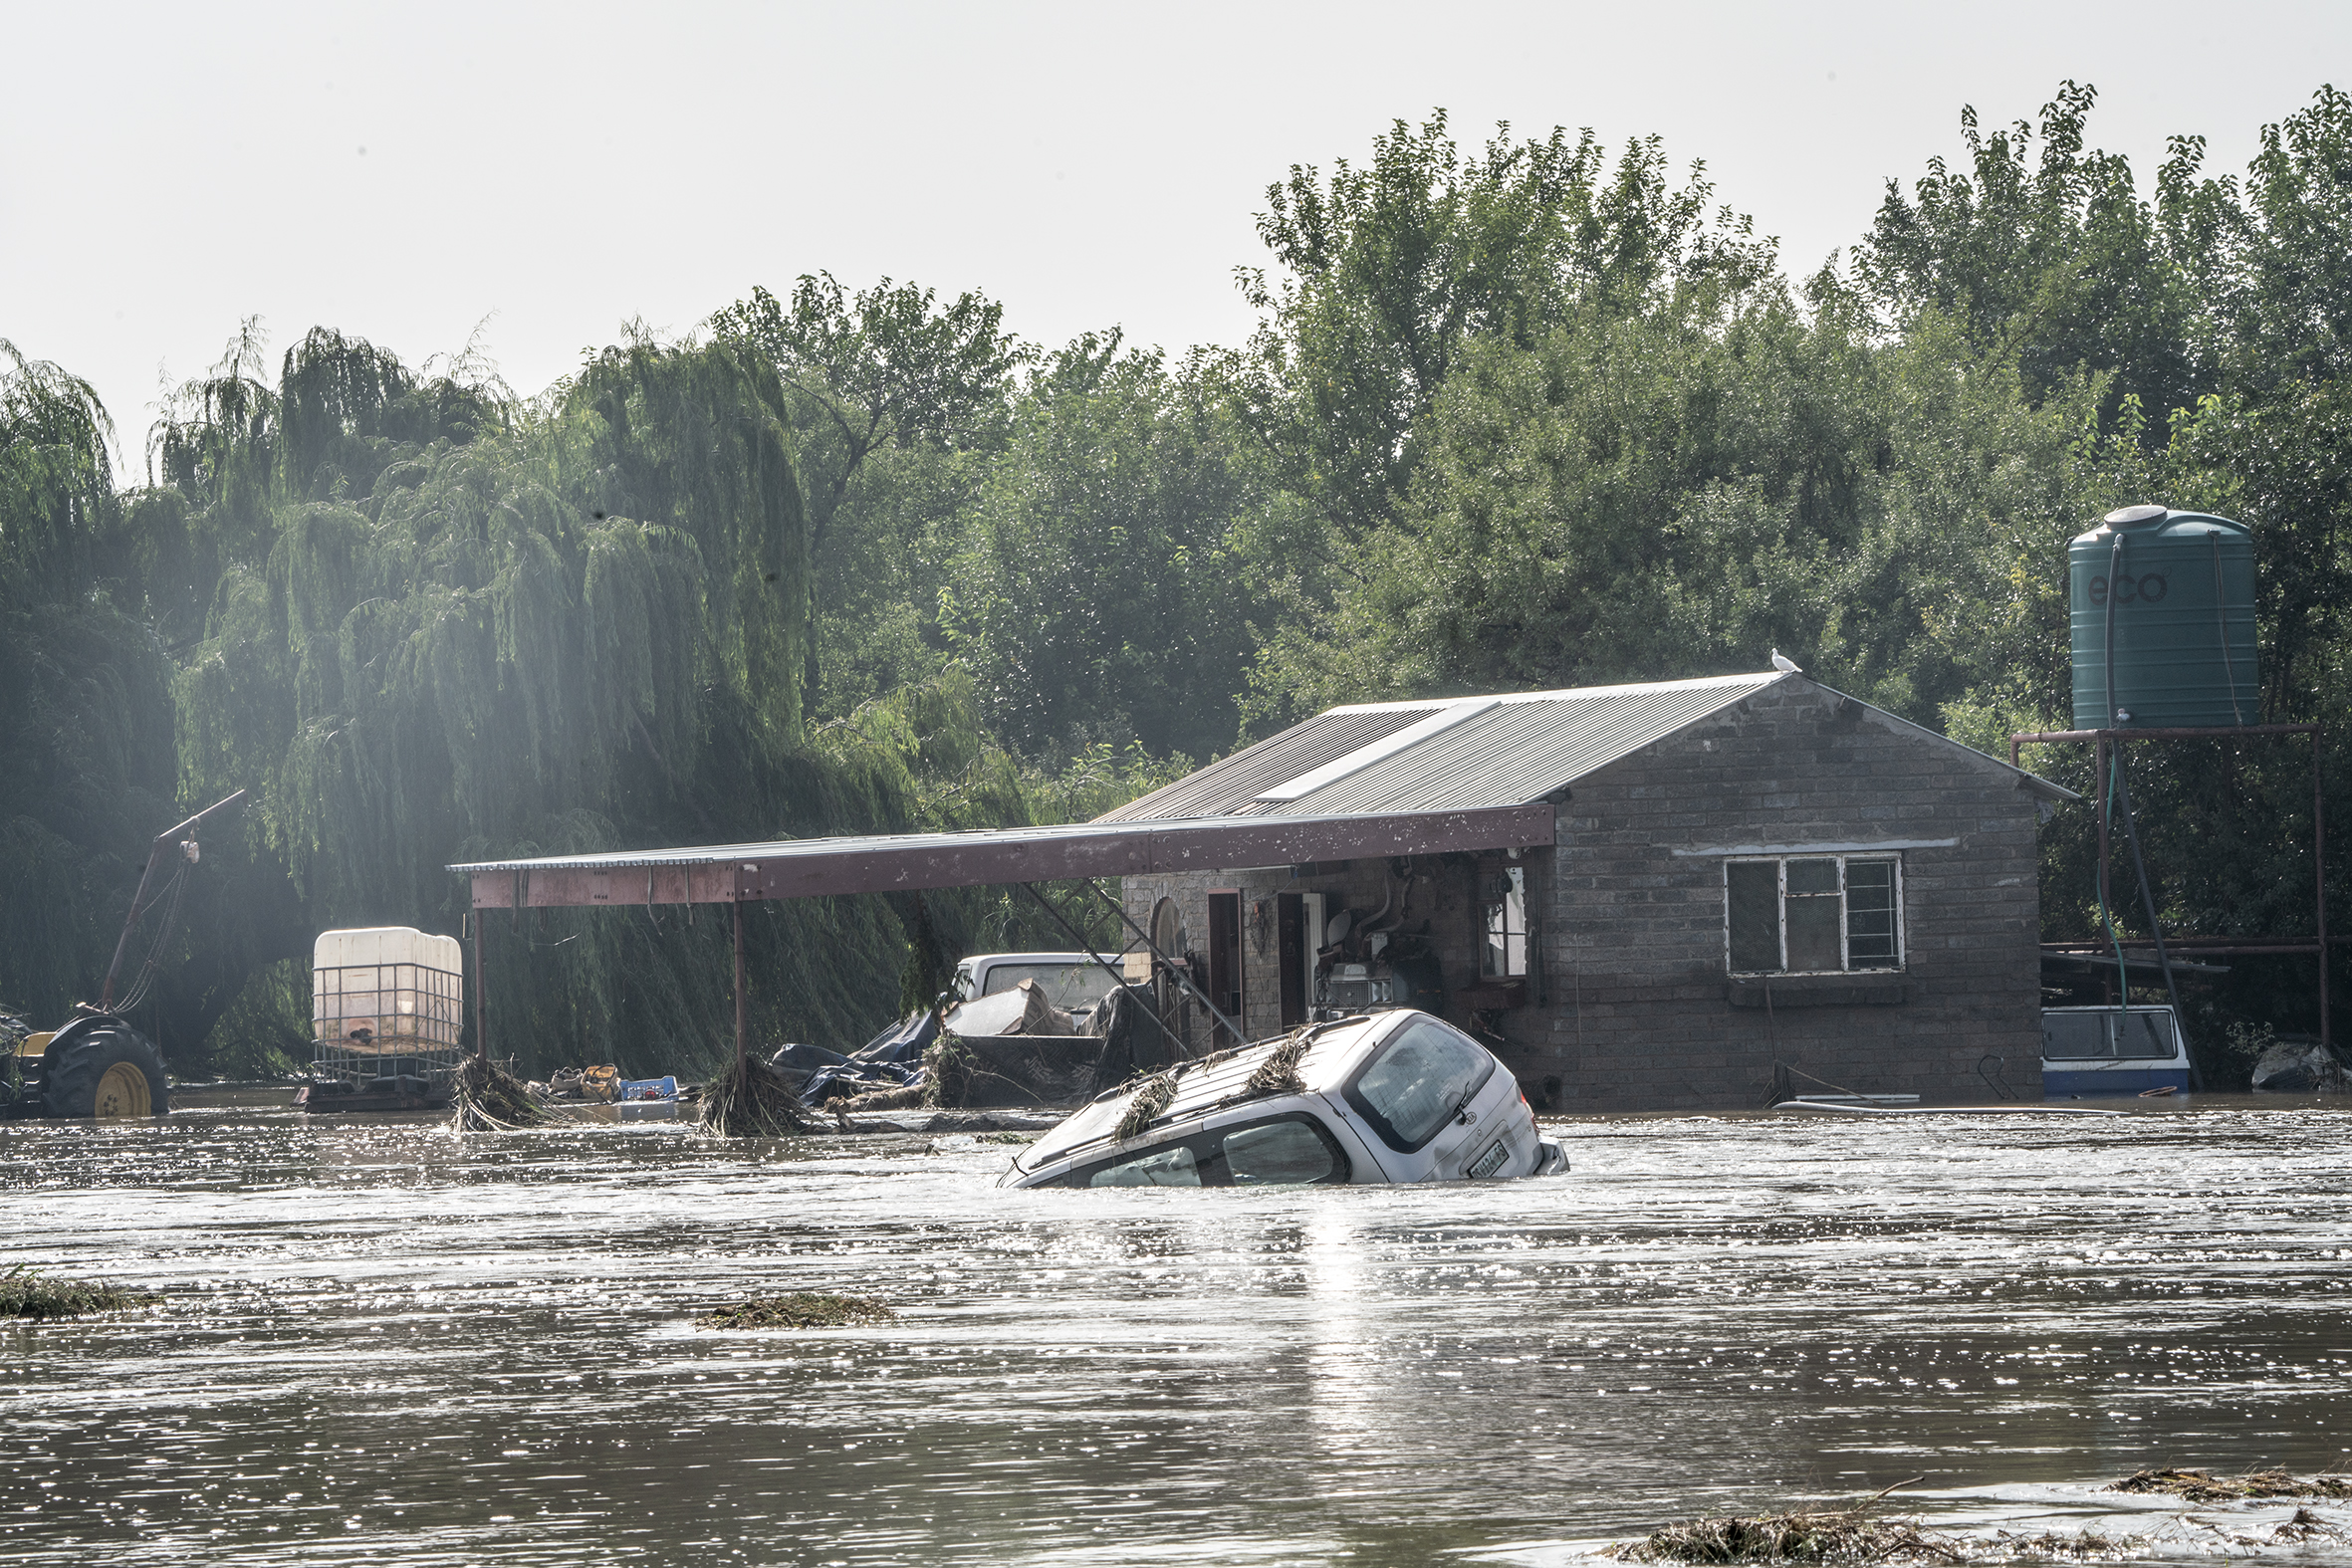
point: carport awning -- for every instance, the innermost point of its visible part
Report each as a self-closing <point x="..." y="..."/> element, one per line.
<point x="907" y="862"/>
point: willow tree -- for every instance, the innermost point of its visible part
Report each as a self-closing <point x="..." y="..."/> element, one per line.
<point x="445" y="625"/>
<point x="84" y="693"/>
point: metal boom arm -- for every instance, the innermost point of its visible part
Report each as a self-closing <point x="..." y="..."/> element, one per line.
<point x="141" y="903"/>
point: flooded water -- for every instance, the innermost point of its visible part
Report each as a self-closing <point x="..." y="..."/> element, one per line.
<point x="381" y="1343"/>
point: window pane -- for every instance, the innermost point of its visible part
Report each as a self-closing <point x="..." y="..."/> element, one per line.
<point x="1416" y="1082"/>
<point x="1160" y="1168"/>
<point x="1505" y="952"/>
<point x="1812" y="876"/>
<point x="1754" y="889"/>
<point x="1275" y="1153"/>
<point x="1813" y="929"/>
<point x="2074" y="1037"/>
<point x="2142" y="1036"/>
<point x="1872" y="938"/>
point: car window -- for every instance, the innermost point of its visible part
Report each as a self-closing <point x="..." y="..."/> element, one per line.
<point x="1067" y="986"/>
<point x="2074" y="1037"/>
<point x="1282" y="1150"/>
<point x="2143" y="1036"/>
<point x="1165" y="1167"/>
<point x="1415" y="1084"/>
<point x="1275" y="1153"/>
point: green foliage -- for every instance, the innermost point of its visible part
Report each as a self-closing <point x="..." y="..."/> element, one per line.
<point x="885" y="370"/>
<point x="1104" y="588"/>
<point x="2054" y="262"/>
<point x="1530" y="415"/>
<point x="1389" y="271"/>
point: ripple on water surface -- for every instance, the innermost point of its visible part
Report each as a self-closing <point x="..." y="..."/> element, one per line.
<point x="383" y="1343"/>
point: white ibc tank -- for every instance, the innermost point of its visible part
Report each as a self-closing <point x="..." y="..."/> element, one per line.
<point x="372" y="987"/>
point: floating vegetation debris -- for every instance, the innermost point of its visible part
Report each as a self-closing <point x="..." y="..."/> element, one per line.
<point x="28" y="1293"/>
<point x="800" y="1309"/>
<point x="1152" y="1096"/>
<point x="488" y="1098"/>
<point x="2203" y="1487"/>
<point x="2085" y="1545"/>
<point x="1844" y="1535"/>
<point x="1279" y="1072"/>
<point x="750" y="1099"/>
<point x="2302" y="1527"/>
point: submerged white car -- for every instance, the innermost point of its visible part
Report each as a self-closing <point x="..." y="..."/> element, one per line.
<point x="1397" y="1096"/>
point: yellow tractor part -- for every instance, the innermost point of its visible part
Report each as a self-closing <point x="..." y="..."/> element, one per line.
<point x="34" y="1044"/>
<point x="122" y="1091"/>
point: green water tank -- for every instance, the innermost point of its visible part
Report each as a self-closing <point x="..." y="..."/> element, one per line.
<point x="2182" y="600"/>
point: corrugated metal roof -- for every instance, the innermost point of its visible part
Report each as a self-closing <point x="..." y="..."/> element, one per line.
<point x="1501" y="751"/>
<point x="1230" y="787"/>
<point x="1526" y="747"/>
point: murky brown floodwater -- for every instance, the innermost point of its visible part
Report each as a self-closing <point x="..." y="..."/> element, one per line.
<point x="384" y="1344"/>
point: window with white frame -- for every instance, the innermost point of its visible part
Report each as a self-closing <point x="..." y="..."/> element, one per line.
<point x="1813" y="913"/>
<point x="1504" y="955"/>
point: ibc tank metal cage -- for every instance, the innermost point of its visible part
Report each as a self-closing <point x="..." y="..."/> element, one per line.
<point x="394" y="1020"/>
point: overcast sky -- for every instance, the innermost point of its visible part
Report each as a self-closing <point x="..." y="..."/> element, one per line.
<point x="404" y="173"/>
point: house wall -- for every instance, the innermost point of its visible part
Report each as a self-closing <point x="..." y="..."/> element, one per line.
<point x="1642" y="1013"/>
<point x="1630" y="1006"/>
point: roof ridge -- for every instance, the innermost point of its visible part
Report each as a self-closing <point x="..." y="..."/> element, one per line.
<point x="1567" y="693"/>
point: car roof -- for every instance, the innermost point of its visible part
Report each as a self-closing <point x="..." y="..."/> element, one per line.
<point x="1213" y="1082"/>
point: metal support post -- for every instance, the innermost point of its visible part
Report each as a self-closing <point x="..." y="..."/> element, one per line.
<point x="481" y="984"/>
<point x="2106" y="906"/>
<point x="2319" y="880"/>
<point x="742" y="1030"/>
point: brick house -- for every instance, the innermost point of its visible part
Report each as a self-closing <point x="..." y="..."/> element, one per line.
<point x="1758" y="884"/>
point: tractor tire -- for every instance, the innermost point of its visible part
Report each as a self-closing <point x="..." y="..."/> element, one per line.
<point x="109" y="1071"/>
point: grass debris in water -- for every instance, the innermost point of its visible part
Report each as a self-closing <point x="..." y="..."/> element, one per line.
<point x="750" y="1101"/>
<point x="2203" y="1487"/>
<point x="1279" y="1072"/>
<point x="30" y="1293"/>
<point x="800" y="1309"/>
<point x="489" y="1098"/>
<point x="1844" y="1537"/>
<point x="1840" y="1535"/>
<point x="2084" y="1546"/>
<point x="1152" y="1096"/>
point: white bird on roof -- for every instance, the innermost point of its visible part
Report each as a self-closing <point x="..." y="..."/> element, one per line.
<point x="1785" y="664"/>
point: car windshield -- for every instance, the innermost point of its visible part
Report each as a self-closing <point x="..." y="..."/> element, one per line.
<point x="1066" y="986"/>
<point x="1284" y="1151"/>
<point x="2083" y="1037"/>
<point x="1415" y="1084"/>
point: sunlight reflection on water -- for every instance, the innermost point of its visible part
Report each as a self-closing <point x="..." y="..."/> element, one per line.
<point x="381" y="1343"/>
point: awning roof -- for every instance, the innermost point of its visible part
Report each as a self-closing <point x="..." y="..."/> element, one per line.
<point x="907" y="862"/>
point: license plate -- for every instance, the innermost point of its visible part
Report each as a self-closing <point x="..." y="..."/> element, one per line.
<point x="1492" y="1161"/>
